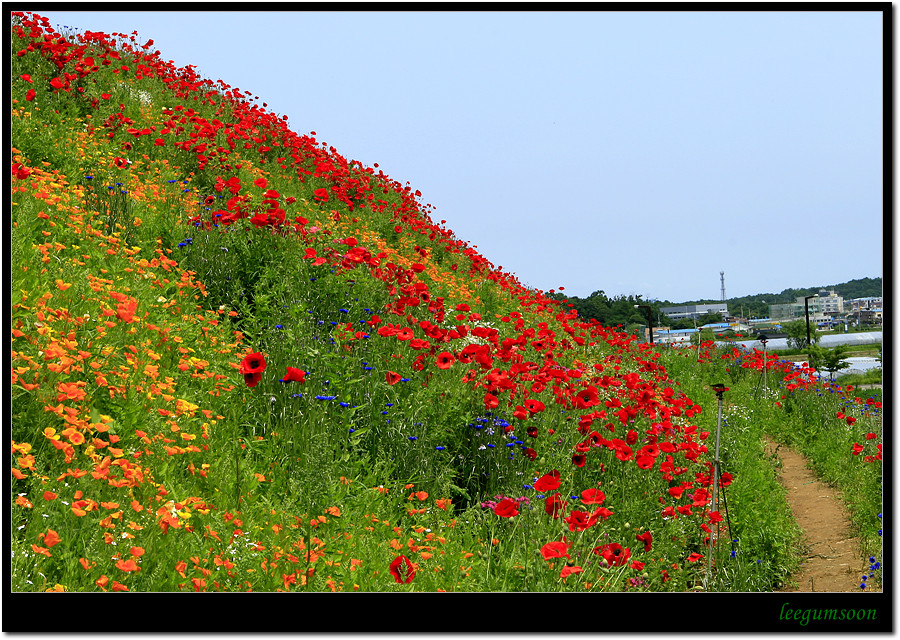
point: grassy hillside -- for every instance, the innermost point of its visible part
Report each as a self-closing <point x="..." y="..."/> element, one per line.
<point x="243" y="362"/>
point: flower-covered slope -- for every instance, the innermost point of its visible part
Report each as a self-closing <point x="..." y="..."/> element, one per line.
<point x="213" y="314"/>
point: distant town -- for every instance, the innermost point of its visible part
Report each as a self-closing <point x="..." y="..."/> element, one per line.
<point x="826" y="311"/>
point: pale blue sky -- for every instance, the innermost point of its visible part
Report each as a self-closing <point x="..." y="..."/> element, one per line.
<point x="631" y="152"/>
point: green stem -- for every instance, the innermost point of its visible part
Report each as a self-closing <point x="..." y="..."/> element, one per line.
<point x="237" y="472"/>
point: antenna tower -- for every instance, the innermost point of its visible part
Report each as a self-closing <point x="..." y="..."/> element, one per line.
<point x="722" y="277"/>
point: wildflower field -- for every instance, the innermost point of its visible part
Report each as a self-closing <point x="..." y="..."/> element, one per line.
<point x="242" y="362"/>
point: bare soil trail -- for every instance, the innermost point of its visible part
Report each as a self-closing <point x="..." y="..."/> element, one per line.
<point x="832" y="558"/>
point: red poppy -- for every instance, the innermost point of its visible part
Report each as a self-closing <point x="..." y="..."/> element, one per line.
<point x="548" y="482"/>
<point x="398" y="569"/>
<point x="555" y="550"/>
<point x="587" y="398"/>
<point x="30" y="95"/>
<point x="294" y="375"/>
<point x="321" y="195"/>
<point x="507" y="508"/>
<point x="592" y="496"/>
<point x="580" y="520"/>
<point x="252" y="367"/>
<point x="529" y="453"/>
<point x="623" y="451"/>
<point x="647" y="539"/>
<point x="578" y="459"/>
<point x="490" y="401"/>
<point x="554" y="504"/>
<point x="567" y="571"/>
<point x="694" y="557"/>
<point x="260" y="182"/>
<point x="392" y="377"/>
<point x="445" y="360"/>
<point x="601" y="512"/>
<point x="613" y="553"/>
<point x="534" y="406"/>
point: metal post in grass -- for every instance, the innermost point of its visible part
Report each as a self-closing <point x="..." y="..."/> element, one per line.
<point x="764" y="340"/>
<point x="720" y="389"/>
<point x="808" y="337"/>
<point x="649" y="318"/>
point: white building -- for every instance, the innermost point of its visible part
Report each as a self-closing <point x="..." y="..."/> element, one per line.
<point x="695" y="310"/>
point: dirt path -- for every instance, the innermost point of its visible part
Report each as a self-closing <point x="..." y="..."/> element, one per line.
<point x="833" y="562"/>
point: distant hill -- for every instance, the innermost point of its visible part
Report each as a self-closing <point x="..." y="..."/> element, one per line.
<point x="620" y="310"/>
<point x="758" y="304"/>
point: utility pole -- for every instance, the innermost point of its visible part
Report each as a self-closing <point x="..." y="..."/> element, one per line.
<point x="722" y="277"/>
<point x="649" y="317"/>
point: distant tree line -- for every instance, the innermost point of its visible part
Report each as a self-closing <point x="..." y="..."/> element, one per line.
<point x="611" y="312"/>
<point x="620" y="310"/>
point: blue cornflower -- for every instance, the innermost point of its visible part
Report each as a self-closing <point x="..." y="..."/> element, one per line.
<point x="279" y="326"/>
<point x="440" y="448"/>
<point x="413" y="438"/>
<point x="345" y="404"/>
<point x="325" y="397"/>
